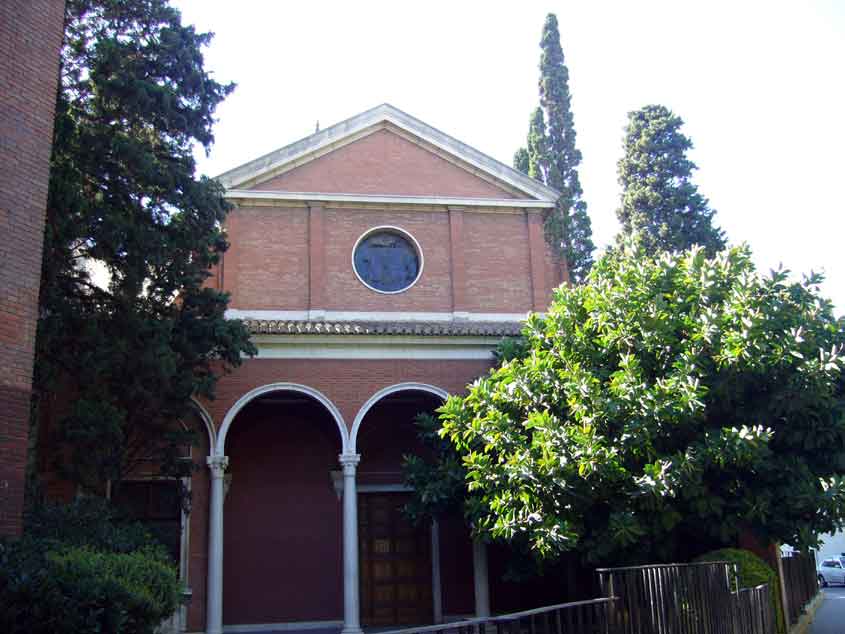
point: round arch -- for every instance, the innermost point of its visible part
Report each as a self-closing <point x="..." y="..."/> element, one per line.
<point x="207" y="422"/>
<point x="375" y="398"/>
<point x="220" y="446"/>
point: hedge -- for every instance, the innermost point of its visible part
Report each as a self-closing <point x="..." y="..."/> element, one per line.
<point x="751" y="571"/>
<point x="74" y="572"/>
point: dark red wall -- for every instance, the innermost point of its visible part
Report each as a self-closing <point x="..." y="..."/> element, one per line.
<point x="456" y="567"/>
<point x="282" y="520"/>
<point x="388" y="433"/>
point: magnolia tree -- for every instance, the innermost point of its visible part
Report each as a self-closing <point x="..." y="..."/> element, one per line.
<point x="665" y="406"/>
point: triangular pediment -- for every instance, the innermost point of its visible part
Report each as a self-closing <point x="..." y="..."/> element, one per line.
<point x="384" y="151"/>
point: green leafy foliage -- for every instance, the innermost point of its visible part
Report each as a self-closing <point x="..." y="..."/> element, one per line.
<point x="659" y="199"/>
<point x="666" y="405"/>
<point x="87" y="522"/>
<point x="439" y="482"/>
<point x="750" y="572"/>
<point x="81" y="568"/>
<point x="552" y="157"/>
<point x="80" y="590"/>
<point x="122" y="356"/>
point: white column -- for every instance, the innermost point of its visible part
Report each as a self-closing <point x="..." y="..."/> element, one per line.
<point x="214" y="595"/>
<point x="482" y="587"/>
<point x="351" y="608"/>
<point x="436" y="591"/>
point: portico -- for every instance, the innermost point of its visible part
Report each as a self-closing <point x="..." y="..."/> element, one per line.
<point x="375" y="428"/>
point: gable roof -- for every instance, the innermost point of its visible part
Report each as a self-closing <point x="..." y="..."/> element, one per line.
<point x="247" y="175"/>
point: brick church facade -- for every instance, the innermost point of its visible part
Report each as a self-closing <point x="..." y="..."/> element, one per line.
<point x="377" y="264"/>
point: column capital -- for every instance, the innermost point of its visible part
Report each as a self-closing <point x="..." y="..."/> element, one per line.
<point x="218" y="465"/>
<point x="349" y="461"/>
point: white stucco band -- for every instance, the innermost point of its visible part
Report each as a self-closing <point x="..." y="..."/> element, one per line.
<point x="373" y="347"/>
<point x="257" y="196"/>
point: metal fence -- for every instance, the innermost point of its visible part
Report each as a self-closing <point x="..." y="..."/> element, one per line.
<point x="662" y="599"/>
<point x="801" y="581"/>
<point x="685" y="599"/>
<point x="754" y="610"/>
<point x="578" y="617"/>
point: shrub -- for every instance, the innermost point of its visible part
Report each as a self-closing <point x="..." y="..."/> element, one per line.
<point x="47" y="588"/>
<point x="751" y="571"/>
<point x="80" y="568"/>
<point x="90" y="522"/>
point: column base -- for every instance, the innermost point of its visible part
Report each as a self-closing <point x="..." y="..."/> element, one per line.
<point x="351" y="630"/>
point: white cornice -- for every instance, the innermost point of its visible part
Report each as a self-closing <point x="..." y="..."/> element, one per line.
<point x="374" y="347"/>
<point x="445" y="201"/>
<point x="303" y="150"/>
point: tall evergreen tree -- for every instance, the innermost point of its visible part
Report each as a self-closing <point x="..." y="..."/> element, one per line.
<point x="659" y="199"/>
<point x="554" y="158"/>
<point x="520" y="160"/>
<point x="118" y="362"/>
<point x="538" y="150"/>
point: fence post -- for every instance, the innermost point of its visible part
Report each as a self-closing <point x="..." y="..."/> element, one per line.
<point x="782" y="588"/>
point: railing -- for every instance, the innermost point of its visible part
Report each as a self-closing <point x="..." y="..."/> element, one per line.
<point x="685" y="599"/>
<point x="801" y="581"/>
<point x="578" y="617"/>
<point x="661" y="599"/>
<point x="755" y="611"/>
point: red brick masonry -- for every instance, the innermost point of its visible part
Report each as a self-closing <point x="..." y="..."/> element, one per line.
<point x="30" y="37"/>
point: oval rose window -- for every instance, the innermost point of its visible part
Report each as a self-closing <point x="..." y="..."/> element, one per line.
<point x="387" y="260"/>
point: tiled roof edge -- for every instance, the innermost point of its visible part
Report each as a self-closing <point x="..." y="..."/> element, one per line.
<point x="390" y="328"/>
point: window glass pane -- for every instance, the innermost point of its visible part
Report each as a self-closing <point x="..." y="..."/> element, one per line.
<point x="387" y="261"/>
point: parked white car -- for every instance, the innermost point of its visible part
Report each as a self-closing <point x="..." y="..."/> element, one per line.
<point x="831" y="571"/>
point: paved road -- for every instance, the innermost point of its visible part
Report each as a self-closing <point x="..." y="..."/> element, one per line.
<point x="830" y="618"/>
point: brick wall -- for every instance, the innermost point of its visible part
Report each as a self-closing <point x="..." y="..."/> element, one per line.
<point x="30" y="37"/>
<point x="347" y="383"/>
<point x="498" y="268"/>
<point x="473" y="261"/>
<point x="384" y="163"/>
<point x="266" y="266"/>
<point x="298" y="257"/>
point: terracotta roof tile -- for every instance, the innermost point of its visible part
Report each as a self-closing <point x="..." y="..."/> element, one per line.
<point x="412" y="328"/>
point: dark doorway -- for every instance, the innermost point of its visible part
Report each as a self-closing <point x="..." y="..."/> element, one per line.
<point x="395" y="563"/>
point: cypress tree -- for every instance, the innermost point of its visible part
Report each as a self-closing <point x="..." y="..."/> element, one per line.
<point x="659" y="199"/>
<point x="520" y="160"/>
<point x="553" y="157"/>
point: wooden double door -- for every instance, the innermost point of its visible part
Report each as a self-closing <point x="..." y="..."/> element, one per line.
<point x="395" y="563"/>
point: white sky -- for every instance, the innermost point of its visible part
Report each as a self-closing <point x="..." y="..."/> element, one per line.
<point x="760" y="85"/>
